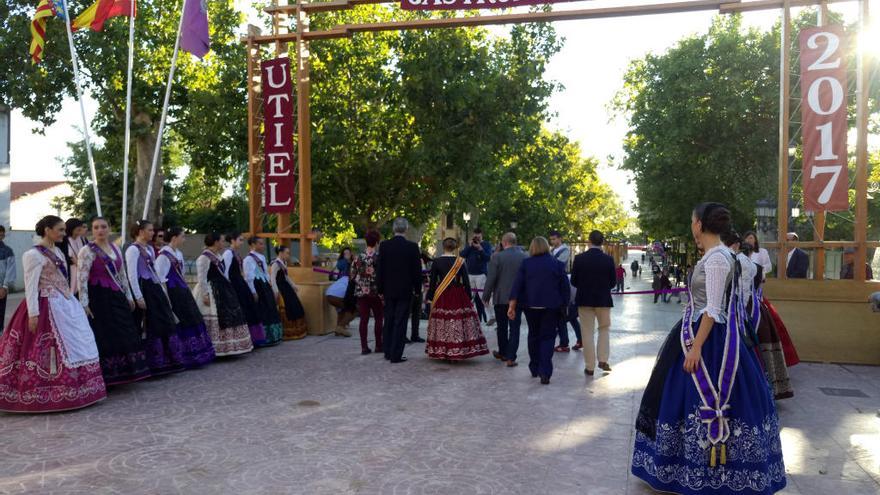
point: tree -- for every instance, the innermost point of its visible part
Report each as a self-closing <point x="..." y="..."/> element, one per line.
<point x="703" y="125"/>
<point x="217" y="145"/>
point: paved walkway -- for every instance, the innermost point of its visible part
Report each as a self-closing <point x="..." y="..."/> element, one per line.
<point x="316" y="417"/>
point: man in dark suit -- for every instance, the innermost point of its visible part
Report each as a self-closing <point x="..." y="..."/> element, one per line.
<point x="798" y="260"/>
<point x="593" y="275"/>
<point x="399" y="278"/>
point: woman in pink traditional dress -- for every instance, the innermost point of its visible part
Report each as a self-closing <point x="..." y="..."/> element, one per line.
<point x="48" y="356"/>
<point x="454" y="332"/>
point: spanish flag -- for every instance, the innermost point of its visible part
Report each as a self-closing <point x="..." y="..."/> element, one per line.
<point x="94" y="17"/>
<point x="45" y="10"/>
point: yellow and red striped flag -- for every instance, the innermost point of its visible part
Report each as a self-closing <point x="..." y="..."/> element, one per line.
<point x="45" y="10"/>
<point x="94" y="17"/>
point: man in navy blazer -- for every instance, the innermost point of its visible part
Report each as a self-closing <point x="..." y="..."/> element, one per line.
<point x="398" y="278"/>
<point x="593" y="275"/>
<point x="798" y="260"/>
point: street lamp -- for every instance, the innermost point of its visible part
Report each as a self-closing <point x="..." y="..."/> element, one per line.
<point x="513" y="225"/>
<point x="467" y="219"/>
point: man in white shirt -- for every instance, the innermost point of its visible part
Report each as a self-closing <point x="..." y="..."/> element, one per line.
<point x="559" y="250"/>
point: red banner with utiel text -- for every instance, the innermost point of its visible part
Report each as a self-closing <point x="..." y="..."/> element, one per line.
<point x="823" y="104"/>
<point x="279" y="180"/>
<point x="470" y="4"/>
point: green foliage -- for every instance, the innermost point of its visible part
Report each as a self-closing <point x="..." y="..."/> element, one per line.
<point x="703" y="125"/>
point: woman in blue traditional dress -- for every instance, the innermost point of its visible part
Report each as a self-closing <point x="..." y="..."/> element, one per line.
<point x="153" y="313"/>
<point x="256" y="275"/>
<point x="196" y="346"/>
<point x="707" y="421"/>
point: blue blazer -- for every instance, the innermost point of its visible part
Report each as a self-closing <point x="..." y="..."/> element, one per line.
<point x="541" y="283"/>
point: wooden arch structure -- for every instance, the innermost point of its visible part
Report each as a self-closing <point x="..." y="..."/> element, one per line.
<point x="801" y="294"/>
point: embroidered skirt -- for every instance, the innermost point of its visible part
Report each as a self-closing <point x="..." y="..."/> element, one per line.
<point x="249" y="308"/>
<point x="293" y="315"/>
<point x="123" y="358"/>
<point x="772" y="356"/>
<point x="223" y="318"/>
<point x="39" y="371"/>
<point x="268" y="311"/>
<point x="195" y="343"/>
<point x="671" y="450"/>
<point x="164" y="350"/>
<point x="453" y="329"/>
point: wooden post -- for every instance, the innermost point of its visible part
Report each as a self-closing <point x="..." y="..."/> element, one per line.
<point x="253" y="88"/>
<point x="862" y="88"/>
<point x="784" y="110"/>
<point x="279" y="28"/>
<point x="819" y="218"/>
<point x="304" y="148"/>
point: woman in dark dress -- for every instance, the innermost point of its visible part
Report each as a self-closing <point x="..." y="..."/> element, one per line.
<point x="256" y="276"/>
<point x="246" y="298"/>
<point x="195" y="342"/>
<point x="293" y="315"/>
<point x="218" y="302"/>
<point x="106" y="297"/>
<point x="454" y="332"/>
<point x="153" y="312"/>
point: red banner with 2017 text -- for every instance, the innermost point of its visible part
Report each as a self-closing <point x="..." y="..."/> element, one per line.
<point x="279" y="179"/>
<point x="823" y="104"/>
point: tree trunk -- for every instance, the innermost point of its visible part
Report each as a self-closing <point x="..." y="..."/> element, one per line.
<point x="146" y="143"/>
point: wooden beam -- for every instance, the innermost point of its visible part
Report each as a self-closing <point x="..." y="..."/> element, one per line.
<point x="304" y="138"/>
<point x="331" y="6"/>
<point x="784" y="110"/>
<point x="729" y="8"/>
<point x="819" y="218"/>
<point x="863" y="85"/>
<point x="253" y="130"/>
<point x="817" y="244"/>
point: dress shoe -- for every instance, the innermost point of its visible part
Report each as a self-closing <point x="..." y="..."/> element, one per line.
<point x="401" y="360"/>
<point x="490" y="322"/>
<point x="511" y="364"/>
<point x="577" y="347"/>
<point x="545" y="380"/>
<point x="364" y="352"/>
<point x="417" y="339"/>
<point x="534" y="375"/>
<point x="406" y="341"/>
<point x="604" y="367"/>
<point x="497" y="355"/>
<point x="562" y="348"/>
<point x="588" y="372"/>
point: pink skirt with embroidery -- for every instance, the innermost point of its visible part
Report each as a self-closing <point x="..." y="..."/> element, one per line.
<point x="453" y="330"/>
<point x="33" y="375"/>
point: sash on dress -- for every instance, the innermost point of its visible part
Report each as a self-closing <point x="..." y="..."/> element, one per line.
<point x="447" y="281"/>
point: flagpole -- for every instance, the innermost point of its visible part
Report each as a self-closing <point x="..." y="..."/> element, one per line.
<point x="164" y="112"/>
<point x="123" y="225"/>
<point x="82" y="107"/>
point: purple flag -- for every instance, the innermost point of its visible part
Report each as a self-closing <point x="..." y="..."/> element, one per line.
<point x="194" y="32"/>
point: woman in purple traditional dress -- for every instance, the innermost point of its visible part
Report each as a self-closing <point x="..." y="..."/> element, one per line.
<point x="48" y="356"/>
<point x="256" y="276"/>
<point x="454" y="332"/>
<point x="153" y="312"/>
<point x="218" y="302"/>
<point x="106" y="298"/>
<point x="195" y="343"/>
<point x="246" y="298"/>
<point x="707" y="421"/>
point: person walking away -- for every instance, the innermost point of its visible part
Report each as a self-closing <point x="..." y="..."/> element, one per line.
<point x="399" y="280"/>
<point x="503" y="269"/>
<point x="634" y="267"/>
<point x="593" y="276"/>
<point x="418" y="302"/>
<point x="561" y="252"/>
<point x="48" y="355"/>
<point x="541" y="288"/>
<point x="665" y="285"/>
<point x="655" y="286"/>
<point x="7" y="274"/>
<point x="477" y="256"/>
<point x="621" y="277"/>
<point x="454" y="332"/>
<point x="366" y="291"/>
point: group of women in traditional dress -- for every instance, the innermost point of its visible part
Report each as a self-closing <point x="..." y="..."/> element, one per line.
<point x="101" y="316"/>
<point x="707" y="420"/>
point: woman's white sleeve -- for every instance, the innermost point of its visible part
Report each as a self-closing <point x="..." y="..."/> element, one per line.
<point x="249" y="270"/>
<point x="273" y="277"/>
<point x="32" y="262"/>
<point x="163" y="266"/>
<point x="203" y="264"/>
<point x="132" y="255"/>
<point x="84" y="266"/>
<point x="717" y="268"/>
<point x="228" y="259"/>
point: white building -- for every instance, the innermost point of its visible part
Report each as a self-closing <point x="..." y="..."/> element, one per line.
<point x="31" y="201"/>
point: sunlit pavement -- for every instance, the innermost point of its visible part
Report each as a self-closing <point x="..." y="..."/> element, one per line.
<point x="316" y="417"/>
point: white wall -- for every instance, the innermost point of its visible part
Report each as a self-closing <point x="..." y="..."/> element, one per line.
<point x="5" y="168"/>
<point x="19" y="241"/>
<point x="27" y="210"/>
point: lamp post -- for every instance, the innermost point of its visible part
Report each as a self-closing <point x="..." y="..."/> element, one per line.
<point x="513" y="225"/>
<point x="467" y="219"/>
